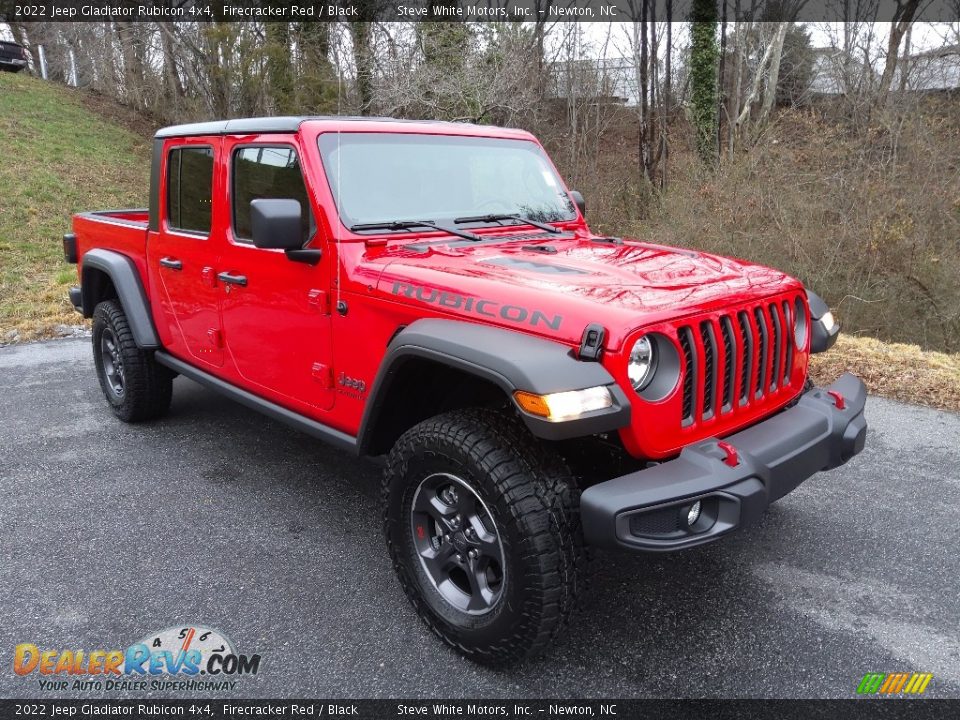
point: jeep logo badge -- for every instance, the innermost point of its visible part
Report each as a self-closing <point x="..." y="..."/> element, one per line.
<point x="348" y="382"/>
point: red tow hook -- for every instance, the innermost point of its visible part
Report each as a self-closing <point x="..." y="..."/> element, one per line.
<point x="732" y="459"/>
<point x="838" y="399"/>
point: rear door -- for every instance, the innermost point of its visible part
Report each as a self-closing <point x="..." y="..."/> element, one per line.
<point x="276" y="318"/>
<point x="183" y="254"/>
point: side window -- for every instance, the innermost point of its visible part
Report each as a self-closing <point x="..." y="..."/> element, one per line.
<point x="267" y="172"/>
<point x="190" y="188"/>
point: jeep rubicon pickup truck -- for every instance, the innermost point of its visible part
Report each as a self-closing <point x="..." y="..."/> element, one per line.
<point x="430" y="294"/>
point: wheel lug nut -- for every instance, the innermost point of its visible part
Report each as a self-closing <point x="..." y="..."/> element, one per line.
<point x="459" y="558"/>
<point x="447" y="537"/>
<point x="473" y="554"/>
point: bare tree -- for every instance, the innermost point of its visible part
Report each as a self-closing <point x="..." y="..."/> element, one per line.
<point x="899" y="26"/>
<point x="763" y="88"/>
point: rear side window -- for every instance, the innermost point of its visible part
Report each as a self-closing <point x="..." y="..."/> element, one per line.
<point x="190" y="188"/>
<point x="267" y="172"/>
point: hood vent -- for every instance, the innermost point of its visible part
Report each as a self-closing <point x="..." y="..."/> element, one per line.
<point x="491" y="240"/>
<point x="533" y="266"/>
<point x="532" y="236"/>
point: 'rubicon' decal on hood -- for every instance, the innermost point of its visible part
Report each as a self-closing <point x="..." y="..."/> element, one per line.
<point x="479" y="306"/>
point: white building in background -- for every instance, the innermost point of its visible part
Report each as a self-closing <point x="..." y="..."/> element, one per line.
<point x="613" y="80"/>
<point x="935" y="70"/>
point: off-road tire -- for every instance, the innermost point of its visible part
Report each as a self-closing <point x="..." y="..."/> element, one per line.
<point x="147" y="386"/>
<point x="534" y="502"/>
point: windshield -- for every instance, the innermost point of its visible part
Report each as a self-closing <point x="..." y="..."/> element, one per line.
<point x="382" y="178"/>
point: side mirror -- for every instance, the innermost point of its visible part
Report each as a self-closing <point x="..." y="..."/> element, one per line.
<point x="580" y="202"/>
<point x="276" y="223"/>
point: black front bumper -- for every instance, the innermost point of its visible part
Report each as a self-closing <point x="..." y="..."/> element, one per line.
<point x="734" y="481"/>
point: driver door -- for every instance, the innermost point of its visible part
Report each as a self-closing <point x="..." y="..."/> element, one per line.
<point x="275" y="311"/>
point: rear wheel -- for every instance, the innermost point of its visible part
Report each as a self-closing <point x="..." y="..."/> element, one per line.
<point x="135" y="386"/>
<point x="482" y="523"/>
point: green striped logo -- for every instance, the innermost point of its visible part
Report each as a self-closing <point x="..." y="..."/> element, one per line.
<point x="894" y="683"/>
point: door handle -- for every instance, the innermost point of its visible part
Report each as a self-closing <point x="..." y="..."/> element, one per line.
<point x="233" y="279"/>
<point x="172" y="263"/>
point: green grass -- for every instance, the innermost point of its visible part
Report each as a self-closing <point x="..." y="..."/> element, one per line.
<point x="58" y="158"/>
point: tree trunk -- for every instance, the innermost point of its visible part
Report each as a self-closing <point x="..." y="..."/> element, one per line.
<point x="703" y="77"/>
<point x="280" y="67"/>
<point x="363" y="59"/>
<point x="132" y="65"/>
<point x="643" y="130"/>
<point x="721" y="80"/>
<point x="667" y="99"/>
<point x="173" y="89"/>
<point x="773" y="76"/>
<point x="902" y="19"/>
<point x="738" y="41"/>
<point x="318" y="81"/>
<point x="754" y="93"/>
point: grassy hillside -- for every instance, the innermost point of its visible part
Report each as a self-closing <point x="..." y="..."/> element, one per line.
<point x="61" y="155"/>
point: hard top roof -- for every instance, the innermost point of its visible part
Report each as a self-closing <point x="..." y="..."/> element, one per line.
<point x="291" y="124"/>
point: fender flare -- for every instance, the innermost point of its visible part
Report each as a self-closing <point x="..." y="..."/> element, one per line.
<point x="508" y="359"/>
<point x="126" y="279"/>
<point x="822" y="338"/>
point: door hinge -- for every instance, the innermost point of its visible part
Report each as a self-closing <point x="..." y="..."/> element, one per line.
<point x="323" y="374"/>
<point x="319" y="300"/>
<point x="215" y="337"/>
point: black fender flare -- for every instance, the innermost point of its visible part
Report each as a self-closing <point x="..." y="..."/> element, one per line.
<point x="126" y="279"/>
<point x="510" y="360"/>
<point x="822" y="338"/>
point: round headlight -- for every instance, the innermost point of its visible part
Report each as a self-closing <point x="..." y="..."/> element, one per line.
<point x="643" y="362"/>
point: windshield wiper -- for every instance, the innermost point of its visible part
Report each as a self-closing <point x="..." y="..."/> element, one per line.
<point x="507" y="216"/>
<point x="410" y="224"/>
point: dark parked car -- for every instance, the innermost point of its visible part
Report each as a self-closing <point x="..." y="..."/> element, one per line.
<point x="13" y="57"/>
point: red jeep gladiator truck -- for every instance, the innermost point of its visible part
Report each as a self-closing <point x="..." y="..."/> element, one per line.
<point x="431" y="293"/>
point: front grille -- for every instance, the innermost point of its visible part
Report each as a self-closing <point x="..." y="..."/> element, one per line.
<point x="729" y="364"/>
<point x="709" y="368"/>
<point x="746" y="356"/>
<point x="735" y="359"/>
<point x="689" y="375"/>
<point x="777" y="347"/>
<point x="788" y="340"/>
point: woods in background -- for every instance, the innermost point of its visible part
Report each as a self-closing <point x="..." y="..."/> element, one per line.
<point x="734" y="131"/>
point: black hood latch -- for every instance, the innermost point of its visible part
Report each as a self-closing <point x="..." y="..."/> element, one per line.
<point x="591" y="344"/>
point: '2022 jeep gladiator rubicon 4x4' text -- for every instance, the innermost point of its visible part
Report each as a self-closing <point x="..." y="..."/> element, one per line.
<point x="431" y="293"/>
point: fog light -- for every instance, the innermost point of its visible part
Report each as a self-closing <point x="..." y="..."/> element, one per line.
<point x="693" y="514"/>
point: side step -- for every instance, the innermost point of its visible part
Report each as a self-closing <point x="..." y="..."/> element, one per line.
<point x="295" y="420"/>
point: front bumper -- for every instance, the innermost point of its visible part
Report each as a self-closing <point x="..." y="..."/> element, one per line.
<point x="735" y="481"/>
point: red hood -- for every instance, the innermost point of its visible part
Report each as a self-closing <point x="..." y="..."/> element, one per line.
<point x="622" y="286"/>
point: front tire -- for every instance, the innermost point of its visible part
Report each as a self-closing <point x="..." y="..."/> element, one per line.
<point x="134" y="384"/>
<point x="482" y="523"/>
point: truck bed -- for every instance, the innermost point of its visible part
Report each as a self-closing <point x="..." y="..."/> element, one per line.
<point x="133" y="216"/>
<point x="124" y="231"/>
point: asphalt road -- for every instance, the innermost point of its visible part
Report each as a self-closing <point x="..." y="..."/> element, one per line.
<point x="221" y="517"/>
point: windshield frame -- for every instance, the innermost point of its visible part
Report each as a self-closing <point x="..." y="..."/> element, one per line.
<point x="572" y="216"/>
